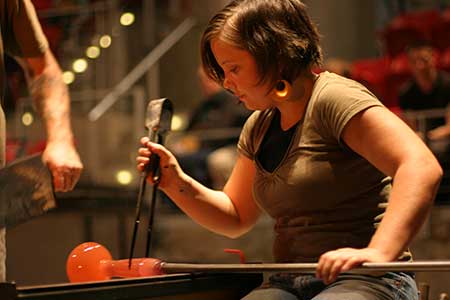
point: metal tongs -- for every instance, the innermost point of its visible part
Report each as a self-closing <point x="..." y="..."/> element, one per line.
<point x="157" y="122"/>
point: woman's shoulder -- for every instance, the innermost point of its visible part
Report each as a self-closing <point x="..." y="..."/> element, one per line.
<point x="332" y="87"/>
<point x="330" y="83"/>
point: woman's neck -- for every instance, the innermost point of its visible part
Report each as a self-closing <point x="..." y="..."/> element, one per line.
<point x="292" y="110"/>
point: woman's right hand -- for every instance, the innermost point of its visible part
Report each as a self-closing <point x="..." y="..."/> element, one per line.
<point x="168" y="164"/>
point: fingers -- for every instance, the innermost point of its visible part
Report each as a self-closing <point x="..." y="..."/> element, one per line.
<point x="157" y="149"/>
<point x="149" y="149"/>
<point x="332" y="263"/>
<point x="156" y="153"/>
<point x="65" y="178"/>
<point x="144" y="140"/>
<point x="64" y="164"/>
<point x="350" y="264"/>
<point x="142" y="162"/>
<point x="144" y="156"/>
<point x="145" y="153"/>
<point x="328" y="268"/>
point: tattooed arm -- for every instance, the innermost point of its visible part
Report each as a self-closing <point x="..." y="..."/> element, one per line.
<point x="51" y="98"/>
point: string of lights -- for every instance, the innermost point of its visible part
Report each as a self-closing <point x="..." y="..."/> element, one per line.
<point x="92" y="52"/>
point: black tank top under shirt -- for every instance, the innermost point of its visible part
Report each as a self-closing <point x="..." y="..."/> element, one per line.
<point x="275" y="144"/>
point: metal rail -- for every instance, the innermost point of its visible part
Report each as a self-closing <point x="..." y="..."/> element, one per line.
<point x="421" y="116"/>
<point x="426" y="113"/>
<point x="141" y="69"/>
<point x="416" y="266"/>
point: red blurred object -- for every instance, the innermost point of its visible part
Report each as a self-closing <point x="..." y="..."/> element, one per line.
<point x="444" y="61"/>
<point x="13" y="148"/>
<point x="440" y="34"/>
<point x="371" y="73"/>
<point x="16" y="148"/>
<point x="409" y="28"/>
<point x="446" y="12"/>
<point x="237" y="251"/>
<point x="424" y="20"/>
<point x="54" y="35"/>
<point x="398" y="75"/>
<point x="92" y="262"/>
<point x="400" y="64"/>
<point x="35" y="147"/>
<point x="400" y="33"/>
<point x="42" y="4"/>
<point x="396" y="110"/>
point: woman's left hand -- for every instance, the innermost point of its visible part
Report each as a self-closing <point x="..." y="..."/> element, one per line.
<point x="334" y="262"/>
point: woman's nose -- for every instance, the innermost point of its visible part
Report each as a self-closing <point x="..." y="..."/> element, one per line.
<point x="228" y="85"/>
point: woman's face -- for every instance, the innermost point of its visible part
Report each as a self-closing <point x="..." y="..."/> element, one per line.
<point x="241" y="75"/>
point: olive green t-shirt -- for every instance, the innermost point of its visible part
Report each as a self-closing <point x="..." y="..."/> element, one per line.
<point x="21" y="36"/>
<point x="322" y="195"/>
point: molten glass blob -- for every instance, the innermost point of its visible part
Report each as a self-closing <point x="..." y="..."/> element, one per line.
<point x="93" y="262"/>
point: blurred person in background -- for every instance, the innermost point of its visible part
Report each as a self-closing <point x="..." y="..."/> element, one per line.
<point x="207" y="155"/>
<point x="23" y="39"/>
<point x="428" y="89"/>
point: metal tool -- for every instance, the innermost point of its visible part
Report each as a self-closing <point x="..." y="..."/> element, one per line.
<point x="414" y="266"/>
<point x="26" y="190"/>
<point x="158" y="121"/>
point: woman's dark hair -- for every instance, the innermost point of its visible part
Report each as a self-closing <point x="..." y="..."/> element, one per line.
<point x="278" y="34"/>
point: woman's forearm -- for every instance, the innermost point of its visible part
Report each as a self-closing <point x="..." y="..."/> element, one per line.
<point x="210" y="208"/>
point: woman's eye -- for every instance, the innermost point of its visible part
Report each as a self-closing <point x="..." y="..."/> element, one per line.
<point x="234" y="70"/>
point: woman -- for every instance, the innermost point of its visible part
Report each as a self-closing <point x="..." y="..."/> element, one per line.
<point x="317" y="155"/>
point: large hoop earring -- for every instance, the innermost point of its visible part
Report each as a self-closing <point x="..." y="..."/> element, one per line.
<point x="281" y="91"/>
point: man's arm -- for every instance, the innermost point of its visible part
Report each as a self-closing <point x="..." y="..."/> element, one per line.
<point x="51" y="98"/>
<point x="443" y="131"/>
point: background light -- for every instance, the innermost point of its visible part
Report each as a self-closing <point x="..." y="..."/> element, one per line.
<point x="105" y="41"/>
<point x="79" y="65"/>
<point x="126" y="19"/>
<point x="177" y="122"/>
<point x="124" y="177"/>
<point x="68" y="77"/>
<point x="93" y="52"/>
<point x="27" y="119"/>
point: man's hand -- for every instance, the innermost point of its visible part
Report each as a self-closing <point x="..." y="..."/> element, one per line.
<point x="441" y="132"/>
<point x="64" y="164"/>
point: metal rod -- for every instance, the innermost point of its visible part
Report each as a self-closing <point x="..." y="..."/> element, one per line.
<point x="151" y="217"/>
<point x="142" y="185"/>
<point x="137" y="220"/>
<point x="416" y="266"/>
<point x="152" y="207"/>
<point x="141" y="69"/>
